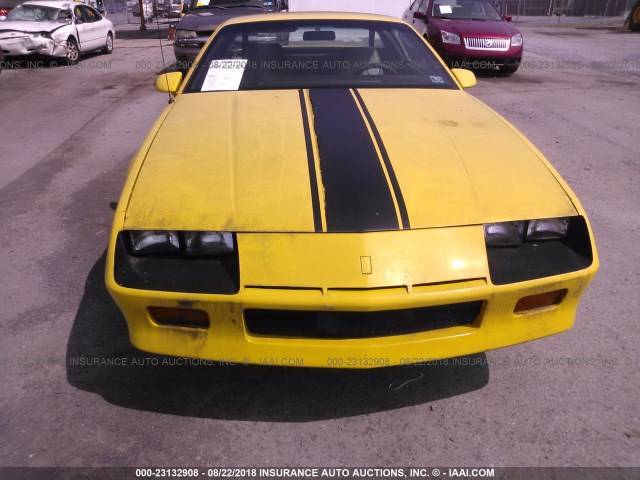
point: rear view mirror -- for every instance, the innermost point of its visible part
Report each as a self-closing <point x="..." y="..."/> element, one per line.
<point x="319" y="35"/>
<point x="465" y="78"/>
<point x="169" y="82"/>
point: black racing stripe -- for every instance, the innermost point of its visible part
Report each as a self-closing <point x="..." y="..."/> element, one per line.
<point x="357" y="195"/>
<point x="315" y="198"/>
<point x="402" y="206"/>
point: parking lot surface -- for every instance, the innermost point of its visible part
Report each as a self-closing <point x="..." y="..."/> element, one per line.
<point x="68" y="134"/>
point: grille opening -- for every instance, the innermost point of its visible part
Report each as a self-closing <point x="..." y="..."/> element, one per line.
<point x="498" y="44"/>
<point x="356" y="325"/>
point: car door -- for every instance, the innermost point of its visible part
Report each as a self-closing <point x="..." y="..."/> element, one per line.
<point x="407" y="16"/>
<point x="99" y="27"/>
<point x="82" y="29"/>
<point x="95" y="36"/>
<point x="418" y="18"/>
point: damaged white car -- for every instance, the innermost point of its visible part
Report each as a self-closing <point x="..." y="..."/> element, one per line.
<point x="55" y="28"/>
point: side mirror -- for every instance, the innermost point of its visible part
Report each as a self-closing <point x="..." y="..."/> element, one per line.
<point x="465" y="78"/>
<point x="507" y="18"/>
<point x="184" y="9"/>
<point x="420" y="15"/>
<point x="169" y="82"/>
<point x="79" y="21"/>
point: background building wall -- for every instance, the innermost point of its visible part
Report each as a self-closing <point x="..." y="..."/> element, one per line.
<point x="393" y="8"/>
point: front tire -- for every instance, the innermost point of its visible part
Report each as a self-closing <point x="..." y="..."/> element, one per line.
<point x="73" y="52"/>
<point x="108" y="48"/>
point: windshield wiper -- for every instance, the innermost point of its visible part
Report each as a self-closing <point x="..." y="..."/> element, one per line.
<point x="247" y="5"/>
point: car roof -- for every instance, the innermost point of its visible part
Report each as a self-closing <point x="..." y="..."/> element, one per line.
<point x="267" y="17"/>
<point x="51" y="3"/>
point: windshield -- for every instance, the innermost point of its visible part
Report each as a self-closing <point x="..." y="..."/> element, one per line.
<point x="230" y="4"/>
<point x="465" y="10"/>
<point x="321" y="53"/>
<point x="32" y="13"/>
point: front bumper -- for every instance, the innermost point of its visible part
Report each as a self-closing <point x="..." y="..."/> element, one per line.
<point x="459" y="56"/>
<point x="32" y="44"/>
<point x="229" y="339"/>
<point x="188" y="50"/>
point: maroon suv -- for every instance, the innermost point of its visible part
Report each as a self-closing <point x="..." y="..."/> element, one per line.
<point x="468" y="33"/>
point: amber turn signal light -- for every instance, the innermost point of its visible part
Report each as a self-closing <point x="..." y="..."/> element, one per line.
<point x="179" y="317"/>
<point x="541" y="300"/>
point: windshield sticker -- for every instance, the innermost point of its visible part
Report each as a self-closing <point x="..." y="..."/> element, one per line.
<point x="436" y="79"/>
<point x="445" y="9"/>
<point x="202" y="3"/>
<point x="224" y="75"/>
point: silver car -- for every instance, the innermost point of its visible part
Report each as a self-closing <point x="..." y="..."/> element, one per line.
<point x="56" y="29"/>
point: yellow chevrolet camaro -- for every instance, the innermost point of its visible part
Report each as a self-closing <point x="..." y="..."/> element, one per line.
<point x="323" y="193"/>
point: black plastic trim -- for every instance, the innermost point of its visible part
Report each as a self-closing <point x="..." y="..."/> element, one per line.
<point x="542" y="259"/>
<point x="326" y="325"/>
<point x="217" y="275"/>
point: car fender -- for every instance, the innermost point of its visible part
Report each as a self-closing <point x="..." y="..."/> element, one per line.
<point x="62" y="33"/>
<point x="138" y="160"/>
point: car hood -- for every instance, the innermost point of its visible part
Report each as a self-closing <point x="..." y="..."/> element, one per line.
<point x="244" y="161"/>
<point x="476" y="28"/>
<point x="208" y="20"/>
<point x="29" y="26"/>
